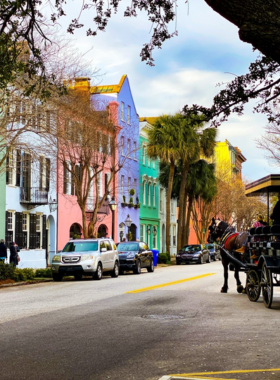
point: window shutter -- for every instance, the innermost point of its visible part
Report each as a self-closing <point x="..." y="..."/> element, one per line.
<point x="65" y="178"/>
<point x="48" y="173"/>
<point x="6" y="230"/>
<point x="44" y="233"/>
<point x="41" y="173"/>
<point x="18" y="232"/>
<point x="18" y="167"/>
<point x="32" y="229"/>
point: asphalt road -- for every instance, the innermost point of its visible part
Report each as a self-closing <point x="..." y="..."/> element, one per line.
<point x="95" y="330"/>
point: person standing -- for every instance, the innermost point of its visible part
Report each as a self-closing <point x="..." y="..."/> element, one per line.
<point x="13" y="254"/>
<point x="275" y="216"/>
<point x="259" y="222"/>
<point x="3" y="251"/>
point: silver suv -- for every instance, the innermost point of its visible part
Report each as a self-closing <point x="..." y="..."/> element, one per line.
<point x="89" y="257"/>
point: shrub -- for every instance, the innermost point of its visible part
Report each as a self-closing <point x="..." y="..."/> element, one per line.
<point x="8" y="271"/>
<point x="164" y="258"/>
<point x="45" y="273"/>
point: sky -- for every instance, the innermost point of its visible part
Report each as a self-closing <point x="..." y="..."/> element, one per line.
<point x="188" y="69"/>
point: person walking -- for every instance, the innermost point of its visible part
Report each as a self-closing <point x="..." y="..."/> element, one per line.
<point x="275" y="216"/>
<point x="3" y="251"/>
<point x="13" y="254"/>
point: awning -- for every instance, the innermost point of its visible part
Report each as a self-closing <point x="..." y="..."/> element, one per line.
<point x="266" y="185"/>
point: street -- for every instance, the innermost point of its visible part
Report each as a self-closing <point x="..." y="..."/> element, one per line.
<point x="133" y="327"/>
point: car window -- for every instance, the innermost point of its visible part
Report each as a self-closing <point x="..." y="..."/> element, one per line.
<point x="210" y="246"/>
<point x="102" y="245"/>
<point x="128" y="247"/>
<point x="81" y="246"/>
<point x="108" y="245"/>
<point x="191" y="248"/>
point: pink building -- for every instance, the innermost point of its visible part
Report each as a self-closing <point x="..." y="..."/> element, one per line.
<point x="69" y="215"/>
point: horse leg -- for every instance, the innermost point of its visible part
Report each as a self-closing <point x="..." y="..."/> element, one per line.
<point x="240" y="287"/>
<point x="224" y="288"/>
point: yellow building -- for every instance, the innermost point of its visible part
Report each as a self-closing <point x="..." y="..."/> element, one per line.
<point x="228" y="160"/>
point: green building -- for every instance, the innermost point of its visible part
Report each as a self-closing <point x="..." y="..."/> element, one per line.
<point x="2" y="198"/>
<point x="148" y="192"/>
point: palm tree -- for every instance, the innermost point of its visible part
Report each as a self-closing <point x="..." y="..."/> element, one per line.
<point x="164" y="143"/>
<point x="196" y="142"/>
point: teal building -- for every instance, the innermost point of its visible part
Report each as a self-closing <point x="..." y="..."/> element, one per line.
<point x="148" y="192"/>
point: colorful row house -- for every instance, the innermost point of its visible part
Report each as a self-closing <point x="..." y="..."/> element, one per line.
<point x="38" y="197"/>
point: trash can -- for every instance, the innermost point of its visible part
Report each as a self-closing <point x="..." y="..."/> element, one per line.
<point x="155" y="254"/>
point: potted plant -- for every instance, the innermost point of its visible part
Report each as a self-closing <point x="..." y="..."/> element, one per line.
<point x="137" y="203"/>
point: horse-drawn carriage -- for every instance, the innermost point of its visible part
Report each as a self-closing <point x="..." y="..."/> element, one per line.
<point x="261" y="260"/>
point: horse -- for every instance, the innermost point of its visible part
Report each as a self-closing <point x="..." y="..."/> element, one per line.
<point x="228" y="240"/>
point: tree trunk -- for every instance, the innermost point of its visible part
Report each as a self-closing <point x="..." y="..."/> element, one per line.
<point x="188" y="220"/>
<point x="184" y="231"/>
<point x="258" y="22"/>
<point x="181" y="205"/>
<point x="168" y="200"/>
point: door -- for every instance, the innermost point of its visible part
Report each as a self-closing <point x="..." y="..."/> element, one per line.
<point x="144" y="249"/>
<point x="110" y="253"/>
<point x="105" y="255"/>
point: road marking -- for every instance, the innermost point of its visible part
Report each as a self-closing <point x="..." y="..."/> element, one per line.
<point x="169" y="283"/>
<point x="226" y="372"/>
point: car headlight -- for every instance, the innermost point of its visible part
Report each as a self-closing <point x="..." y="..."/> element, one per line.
<point x="178" y="255"/>
<point x="86" y="257"/>
<point x="130" y="256"/>
<point x="56" y="259"/>
<point x="196" y="255"/>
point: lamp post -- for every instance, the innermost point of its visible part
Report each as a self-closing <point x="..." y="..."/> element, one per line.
<point x="113" y="206"/>
<point x="128" y="222"/>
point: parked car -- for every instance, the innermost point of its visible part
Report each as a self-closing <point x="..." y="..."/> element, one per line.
<point x="135" y="255"/>
<point x="90" y="257"/>
<point x="193" y="253"/>
<point x="213" y="252"/>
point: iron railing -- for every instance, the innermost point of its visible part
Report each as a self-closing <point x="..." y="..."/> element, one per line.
<point x="34" y="195"/>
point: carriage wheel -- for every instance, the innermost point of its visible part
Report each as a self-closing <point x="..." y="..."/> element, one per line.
<point x="267" y="286"/>
<point x="253" y="285"/>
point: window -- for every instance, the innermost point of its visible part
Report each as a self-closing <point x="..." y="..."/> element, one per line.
<point x="107" y="186"/>
<point x="128" y="184"/>
<point x="135" y="187"/>
<point x="122" y="145"/>
<point x="38" y="231"/>
<point x="154" y="236"/>
<point x="18" y="167"/>
<point x="144" y="192"/>
<point x="10" y="167"/>
<point x="144" y="154"/>
<point x="128" y="148"/>
<point x="149" y="194"/>
<point x="122" y="111"/>
<point x="10" y="221"/>
<point x="90" y="192"/>
<point x="44" y="179"/>
<point x="99" y="184"/>
<point x="67" y="188"/>
<point x="142" y="232"/>
<point x="48" y="121"/>
<point x="9" y="236"/>
<point x="109" y="150"/>
<point x="24" y="222"/>
<point x="154" y="195"/>
<point x="161" y="200"/>
<point x="122" y="181"/>
<point x="128" y="114"/>
<point x="174" y="235"/>
<point x="149" y="161"/>
<point x="134" y="150"/>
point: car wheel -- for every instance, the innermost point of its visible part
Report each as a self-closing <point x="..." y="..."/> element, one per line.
<point x="115" y="271"/>
<point x="57" y="276"/>
<point x="78" y="277"/>
<point x="178" y="262"/>
<point x="151" y="268"/>
<point x="137" y="269"/>
<point x="98" y="274"/>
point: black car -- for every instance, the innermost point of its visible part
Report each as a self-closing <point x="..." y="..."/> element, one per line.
<point x="134" y="255"/>
<point x="193" y="253"/>
<point x="212" y="249"/>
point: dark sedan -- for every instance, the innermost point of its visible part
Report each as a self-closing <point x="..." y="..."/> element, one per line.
<point x="193" y="253"/>
<point x="134" y="255"/>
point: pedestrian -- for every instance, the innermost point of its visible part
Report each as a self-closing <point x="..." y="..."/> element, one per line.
<point x="3" y="251"/>
<point x="259" y="222"/>
<point x="275" y="216"/>
<point x="13" y="254"/>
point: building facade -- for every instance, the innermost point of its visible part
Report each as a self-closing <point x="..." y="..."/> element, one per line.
<point x="149" y="192"/>
<point x="128" y="150"/>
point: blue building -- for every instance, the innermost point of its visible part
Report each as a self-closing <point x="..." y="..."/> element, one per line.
<point x="128" y="145"/>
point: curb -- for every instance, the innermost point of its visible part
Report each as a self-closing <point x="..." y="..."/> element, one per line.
<point x="25" y="283"/>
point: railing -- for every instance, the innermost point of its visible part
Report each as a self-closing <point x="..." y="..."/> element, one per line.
<point x="34" y="195"/>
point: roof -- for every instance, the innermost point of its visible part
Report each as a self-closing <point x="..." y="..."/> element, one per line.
<point x="150" y="120"/>
<point x="268" y="184"/>
<point x="109" y="89"/>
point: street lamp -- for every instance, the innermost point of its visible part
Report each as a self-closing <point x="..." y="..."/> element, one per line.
<point x="113" y="206"/>
<point x="128" y="222"/>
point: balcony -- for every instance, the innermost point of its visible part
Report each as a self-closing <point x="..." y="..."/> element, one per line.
<point x="34" y="196"/>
